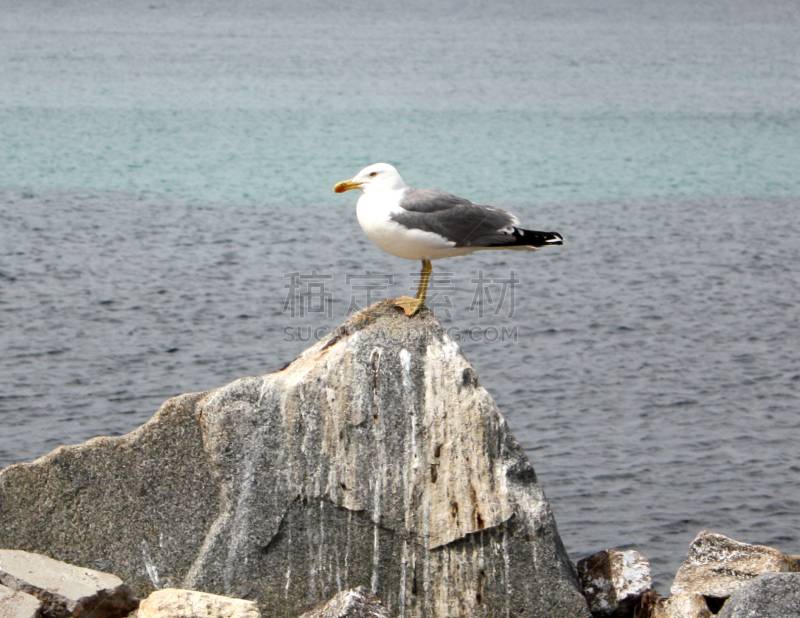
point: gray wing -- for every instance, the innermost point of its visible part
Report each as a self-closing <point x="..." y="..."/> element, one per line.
<point x="457" y="219"/>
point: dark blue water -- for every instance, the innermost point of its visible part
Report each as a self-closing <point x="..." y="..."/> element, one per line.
<point x="165" y="167"/>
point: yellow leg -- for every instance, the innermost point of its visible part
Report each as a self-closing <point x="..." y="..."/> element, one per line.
<point x="412" y="305"/>
<point x="424" y="279"/>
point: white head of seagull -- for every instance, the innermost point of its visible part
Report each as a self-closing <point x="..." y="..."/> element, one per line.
<point x="375" y="177"/>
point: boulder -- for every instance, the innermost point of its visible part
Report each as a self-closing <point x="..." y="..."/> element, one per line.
<point x="18" y="604"/>
<point x="358" y="603"/>
<point x="717" y="565"/>
<point x="175" y="603"/>
<point x="689" y="605"/>
<point x="614" y="581"/>
<point x="64" y="589"/>
<point x="771" y="595"/>
<point x="374" y="459"/>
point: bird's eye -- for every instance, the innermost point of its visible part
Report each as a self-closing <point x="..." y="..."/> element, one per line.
<point x="373" y="174"/>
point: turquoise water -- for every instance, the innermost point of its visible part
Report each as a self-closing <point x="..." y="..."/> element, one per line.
<point x="163" y="166"/>
<point x="271" y="105"/>
<point x="520" y="157"/>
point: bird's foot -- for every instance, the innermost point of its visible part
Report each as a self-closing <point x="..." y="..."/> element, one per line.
<point x="409" y="305"/>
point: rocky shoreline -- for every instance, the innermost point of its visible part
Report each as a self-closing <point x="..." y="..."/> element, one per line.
<point x="372" y="476"/>
<point x="720" y="577"/>
<point x="617" y="583"/>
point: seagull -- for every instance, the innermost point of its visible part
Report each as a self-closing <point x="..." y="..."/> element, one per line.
<point x="421" y="224"/>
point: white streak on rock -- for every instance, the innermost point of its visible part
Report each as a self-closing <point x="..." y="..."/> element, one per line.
<point x="150" y="566"/>
<point x="405" y="361"/>
<point x="403" y="577"/>
<point x="241" y="521"/>
<point x="507" y="573"/>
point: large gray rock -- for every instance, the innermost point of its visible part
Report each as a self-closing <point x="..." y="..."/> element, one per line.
<point x="374" y="459"/>
<point x="358" y="603"/>
<point x="772" y="595"/>
<point x="717" y="565"/>
<point x="65" y="589"/>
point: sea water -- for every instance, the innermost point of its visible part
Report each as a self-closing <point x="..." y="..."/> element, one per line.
<point x="165" y="195"/>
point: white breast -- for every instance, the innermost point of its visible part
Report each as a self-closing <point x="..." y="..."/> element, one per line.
<point x="374" y="214"/>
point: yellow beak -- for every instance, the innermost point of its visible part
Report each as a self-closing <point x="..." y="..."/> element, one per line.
<point x="345" y="185"/>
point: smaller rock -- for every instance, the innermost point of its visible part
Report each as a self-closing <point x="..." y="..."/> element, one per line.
<point x="614" y="581"/>
<point x="679" y="606"/>
<point x="16" y="604"/>
<point x="360" y="602"/>
<point x="65" y="589"/>
<point x="771" y="595"/>
<point x="717" y="565"/>
<point x="177" y="603"/>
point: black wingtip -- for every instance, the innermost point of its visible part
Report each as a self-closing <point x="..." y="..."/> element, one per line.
<point x="539" y="239"/>
<point x="529" y="238"/>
